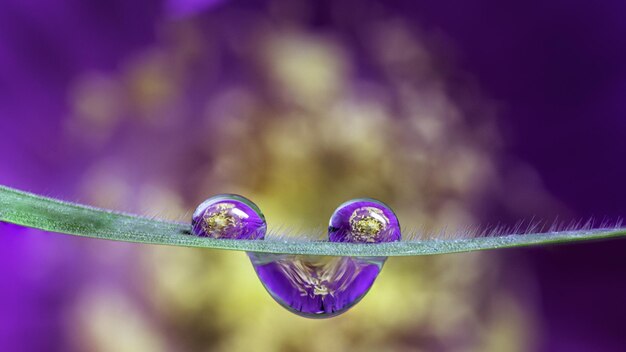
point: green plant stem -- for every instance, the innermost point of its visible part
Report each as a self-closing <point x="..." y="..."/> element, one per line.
<point x="30" y="210"/>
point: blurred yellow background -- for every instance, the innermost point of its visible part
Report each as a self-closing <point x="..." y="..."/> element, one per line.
<point x="312" y="134"/>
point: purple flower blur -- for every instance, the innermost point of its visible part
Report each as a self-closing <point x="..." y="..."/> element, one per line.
<point x="35" y="289"/>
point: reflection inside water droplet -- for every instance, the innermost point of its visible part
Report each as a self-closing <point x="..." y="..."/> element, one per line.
<point x="363" y="220"/>
<point x="229" y="216"/>
<point x="316" y="286"/>
<point x="310" y="286"/>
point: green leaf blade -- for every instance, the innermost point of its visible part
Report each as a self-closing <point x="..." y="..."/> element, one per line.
<point x="48" y="214"/>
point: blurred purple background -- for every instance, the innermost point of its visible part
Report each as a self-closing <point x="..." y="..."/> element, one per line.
<point x="553" y="75"/>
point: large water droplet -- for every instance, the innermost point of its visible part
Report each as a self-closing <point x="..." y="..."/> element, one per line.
<point x="322" y="286"/>
<point x="316" y="286"/>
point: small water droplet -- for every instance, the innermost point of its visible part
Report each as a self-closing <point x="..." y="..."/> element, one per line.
<point x="363" y="220"/>
<point x="229" y="216"/>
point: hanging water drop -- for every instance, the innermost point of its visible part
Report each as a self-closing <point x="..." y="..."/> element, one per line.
<point x="310" y="286"/>
<point x="321" y="286"/>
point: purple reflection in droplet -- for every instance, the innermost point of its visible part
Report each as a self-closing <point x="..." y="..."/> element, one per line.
<point x="316" y="286"/>
<point x="322" y="286"/>
<point x="363" y="220"/>
<point x="229" y="216"/>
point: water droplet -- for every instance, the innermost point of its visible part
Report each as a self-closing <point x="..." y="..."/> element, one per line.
<point x="316" y="286"/>
<point x="363" y="220"/>
<point x="322" y="286"/>
<point x="310" y="286"/>
<point x="229" y="216"/>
